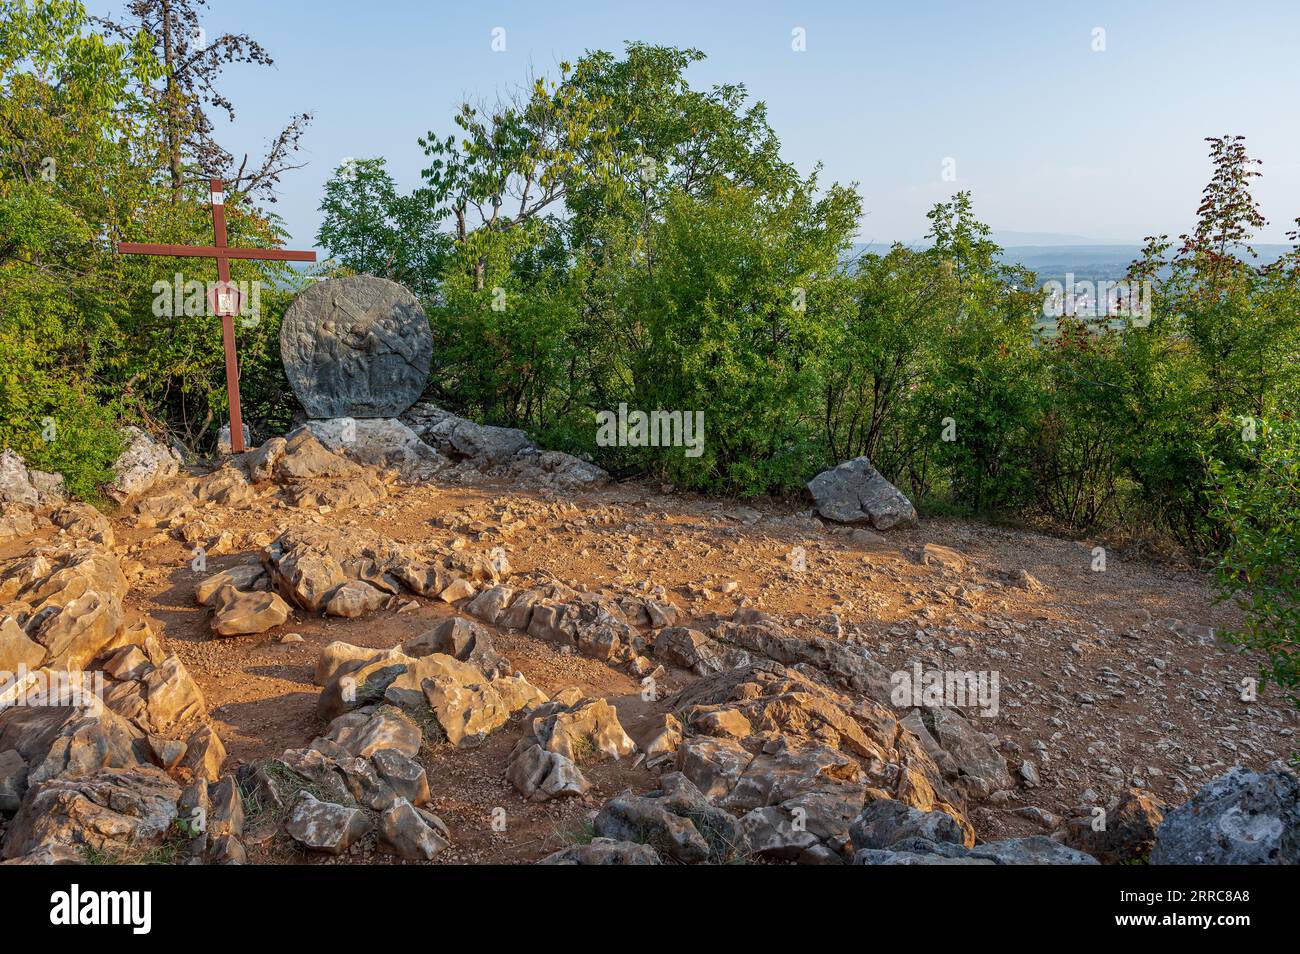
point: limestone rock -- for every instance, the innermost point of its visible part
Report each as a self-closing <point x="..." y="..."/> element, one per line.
<point x="226" y="487"/>
<point x="364" y="682"/>
<point x="61" y="741"/>
<point x="885" y="822"/>
<point x="807" y="740"/>
<point x="244" y="576"/>
<point x="518" y="694"/>
<point x="325" y="826"/>
<point x="714" y="765"/>
<point x="304" y="566"/>
<point x="467" y="712"/>
<point x="379" y="442"/>
<point x="49" y="855"/>
<point x="410" y="833"/>
<point x="16" y="649"/>
<point x="338" y="654"/>
<point x="144" y="464"/>
<point x="166" y="508"/>
<point x="691" y="649"/>
<point x="854" y="492"/>
<point x="1240" y="818"/>
<point x="75" y="633"/>
<point x="204" y="754"/>
<point x="457" y="589"/>
<point x="362" y="734"/>
<point x="491" y="604"/>
<point x="676" y="820"/>
<point x="111" y="810"/>
<point x="15" y="481"/>
<point x="354" y="598"/>
<point x="556" y="469"/>
<point x="463" y="639"/>
<point x="932" y="554"/>
<point x="238" y="612"/>
<point x="1129" y="833"/>
<point x="406" y="777"/>
<point x="363" y="782"/>
<point x="261" y="462"/>
<point x="589" y="723"/>
<point x="172" y="698"/>
<point x="749" y="634"/>
<point x="13" y="780"/>
<point x="460" y="439"/>
<point x="1034" y="850"/>
<point x="305" y="458"/>
<point x="540" y="775"/>
<point x="327" y="496"/>
<point x="225" y="813"/>
<point x="561" y="735"/>
<point x="967" y="754"/>
<point x="15" y="522"/>
<point x="604" y="851"/>
<point x="81" y="521"/>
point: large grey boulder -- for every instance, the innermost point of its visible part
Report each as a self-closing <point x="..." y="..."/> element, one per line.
<point x="1241" y="818"/>
<point x="15" y="481"/>
<point x="114" y="811"/>
<point x="505" y="451"/>
<point x="885" y="822"/>
<point x="326" y="826"/>
<point x="676" y="820"/>
<point x="356" y="347"/>
<point x="854" y="492"/>
<point x="462" y="439"/>
<point x="143" y="465"/>
<point x="379" y="442"/>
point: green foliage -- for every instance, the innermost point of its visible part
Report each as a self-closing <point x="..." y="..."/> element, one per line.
<point x="368" y="227"/>
<point x="83" y="345"/>
<point x="506" y="324"/>
<point x="733" y="312"/>
<point x="1221" y="345"/>
<point x="69" y="116"/>
<point x="1259" y="569"/>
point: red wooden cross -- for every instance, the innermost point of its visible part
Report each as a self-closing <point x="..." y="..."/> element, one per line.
<point x="222" y="300"/>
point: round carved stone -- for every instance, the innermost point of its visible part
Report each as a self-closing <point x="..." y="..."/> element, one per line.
<point x="356" y="347"/>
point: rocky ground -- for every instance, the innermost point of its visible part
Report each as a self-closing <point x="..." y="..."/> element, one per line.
<point x="637" y="675"/>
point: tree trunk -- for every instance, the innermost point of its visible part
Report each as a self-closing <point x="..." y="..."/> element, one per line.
<point x="173" y="111"/>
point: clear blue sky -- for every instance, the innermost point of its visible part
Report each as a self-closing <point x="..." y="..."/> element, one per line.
<point x="1048" y="134"/>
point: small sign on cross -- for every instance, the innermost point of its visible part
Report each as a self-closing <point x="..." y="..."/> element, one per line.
<point x="224" y="298"/>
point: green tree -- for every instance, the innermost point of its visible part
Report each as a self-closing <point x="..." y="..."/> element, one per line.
<point x="70" y="164"/>
<point x="733" y="318"/>
<point x="368" y="227"/>
<point x="983" y="399"/>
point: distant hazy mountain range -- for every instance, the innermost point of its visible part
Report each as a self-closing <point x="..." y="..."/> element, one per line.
<point x="1053" y="256"/>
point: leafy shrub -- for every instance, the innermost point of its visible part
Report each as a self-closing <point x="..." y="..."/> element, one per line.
<point x="1259" y="569"/>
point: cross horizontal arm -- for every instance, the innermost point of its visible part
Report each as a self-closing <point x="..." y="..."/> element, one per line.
<point x="212" y="251"/>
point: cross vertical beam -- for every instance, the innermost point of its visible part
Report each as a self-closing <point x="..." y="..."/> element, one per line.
<point x="227" y="320"/>
<point x="223" y="254"/>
